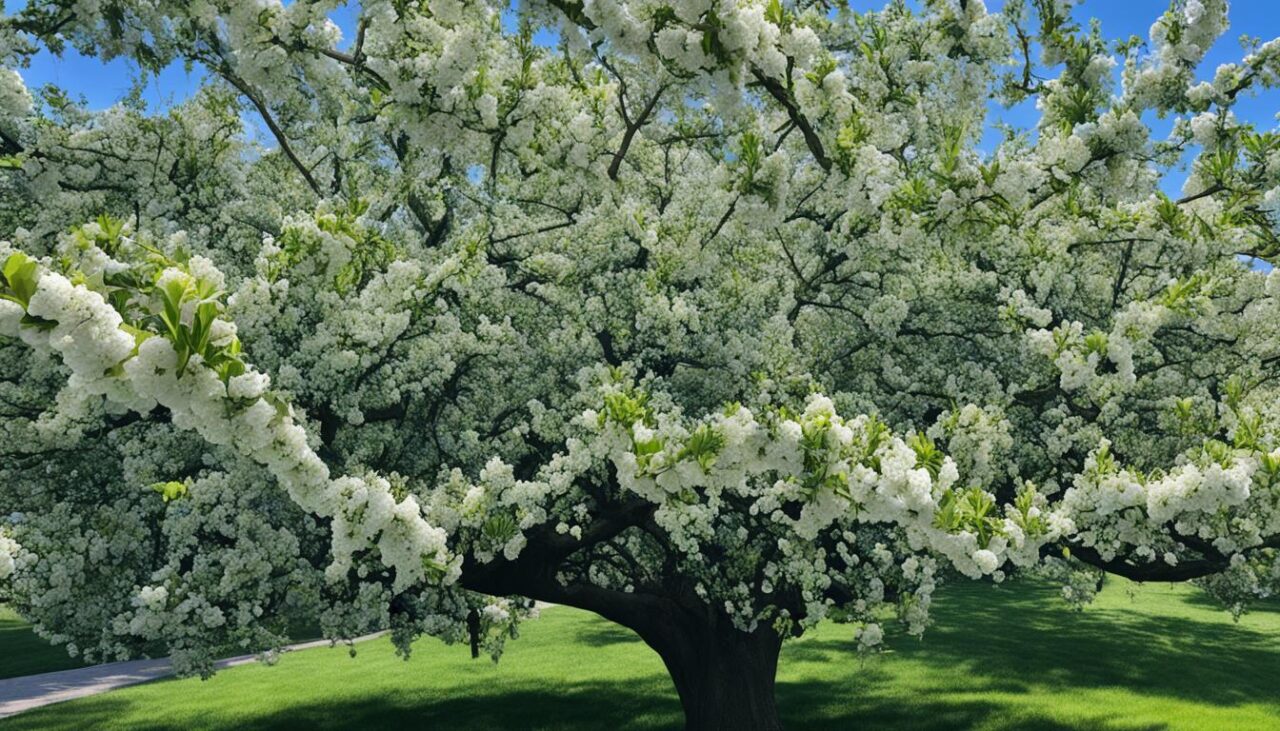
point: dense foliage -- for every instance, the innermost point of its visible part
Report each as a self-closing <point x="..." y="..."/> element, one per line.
<point x="707" y="309"/>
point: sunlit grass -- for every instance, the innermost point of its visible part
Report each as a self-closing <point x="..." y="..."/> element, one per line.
<point x="1152" y="657"/>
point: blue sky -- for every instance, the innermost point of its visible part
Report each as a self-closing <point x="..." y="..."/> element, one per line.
<point x="102" y="84"/>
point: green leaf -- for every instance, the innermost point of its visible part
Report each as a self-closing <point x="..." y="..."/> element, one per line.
<point x="170" y="491"/>
<point x="202" y="326"/>
<point x="19" y="272"/>
<point x="821" y="70"/>
<point x="172" y="295"/>
<point x="139" y="335"/>
<point x="499" y="528"/>
<point x="184" y="354"/>
<point x="37" y="323"/>
<point x="969" y="510"/>
<point x="1096" y="342"/>
<point x="626" y="409"/>
<point x="774" y="13"/>
<point x="928" y="455"/>
<point x="703" y="446"/>
<point x="230" y="368"/>
<point x="434" y="569"/>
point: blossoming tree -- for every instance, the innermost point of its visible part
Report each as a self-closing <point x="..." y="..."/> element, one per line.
<point x="708" y="316"/>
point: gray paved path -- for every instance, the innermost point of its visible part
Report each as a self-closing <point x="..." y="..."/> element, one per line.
<point x="32" y="691"/>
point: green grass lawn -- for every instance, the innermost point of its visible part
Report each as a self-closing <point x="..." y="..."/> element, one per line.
<point x="1152" y="657"/>
<point x="23" y="653"/>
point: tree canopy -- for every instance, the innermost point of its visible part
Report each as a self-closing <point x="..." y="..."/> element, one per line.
<point x="707" y="315"/>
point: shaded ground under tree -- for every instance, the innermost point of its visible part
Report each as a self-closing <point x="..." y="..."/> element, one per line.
<point x="1141" y="657"/>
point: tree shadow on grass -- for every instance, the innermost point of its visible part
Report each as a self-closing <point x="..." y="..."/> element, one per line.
<point x="604" y="634"/>
<point x="807" y="706"/>
<point x="570" y="707"/>
<point x="580" y="706"/>
<point x="1014" y="643"/>
<point x="23" y="652"/>
<point x="1201" y="600"/>
<point x="1021" y="640"/>
<point x="585" y="706"/>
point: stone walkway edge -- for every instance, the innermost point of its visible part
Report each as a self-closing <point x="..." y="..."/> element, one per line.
<point x="33" y="691"/>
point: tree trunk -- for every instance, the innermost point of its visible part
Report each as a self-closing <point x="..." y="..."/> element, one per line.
<point x="725" y="677"/>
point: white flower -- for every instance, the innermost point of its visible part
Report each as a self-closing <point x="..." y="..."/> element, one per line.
<point x="869" y="636"/>
<point x="250" y="385"/>
<point x="987" y="561"/>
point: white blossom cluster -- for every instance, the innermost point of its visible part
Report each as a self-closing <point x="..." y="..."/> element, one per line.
<point x="104" y="360"/>
<point x="1227" y="502"/>
<point x="8" y="556"/>
<point x="839" y="473"/>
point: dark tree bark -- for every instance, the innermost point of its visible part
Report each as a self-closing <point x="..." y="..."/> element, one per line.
<point x="725" y="677"/>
